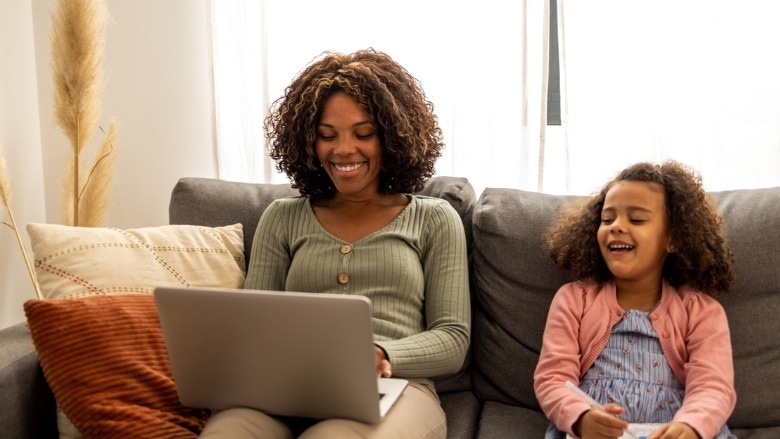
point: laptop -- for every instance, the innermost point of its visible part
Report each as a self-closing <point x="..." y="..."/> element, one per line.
<point x="284" y="353"/>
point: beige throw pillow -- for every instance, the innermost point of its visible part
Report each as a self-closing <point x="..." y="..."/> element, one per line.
<point x="73" y="262"/>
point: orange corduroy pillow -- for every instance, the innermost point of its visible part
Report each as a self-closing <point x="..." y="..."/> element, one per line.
<point x="105" y="360"/>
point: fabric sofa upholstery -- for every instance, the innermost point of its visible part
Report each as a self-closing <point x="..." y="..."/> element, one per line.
<point x="512" y="284"/>
<point x="27" y="407"/>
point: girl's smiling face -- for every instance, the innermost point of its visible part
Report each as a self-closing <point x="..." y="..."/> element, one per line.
<point x="348" y="147"/>
<point x="634" y="236"/>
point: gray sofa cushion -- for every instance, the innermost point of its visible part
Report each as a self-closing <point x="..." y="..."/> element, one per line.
<point x="462" y="409"/>
<point x="27" y="407"/>
<point x="514" y="282"/>
<point x="500" y="421"/>
<point x="459" y="193"/>
<point x="752" y="224"/>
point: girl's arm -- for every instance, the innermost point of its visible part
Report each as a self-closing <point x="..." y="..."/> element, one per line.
<point x="560" y="357"/>
<point x="709" y="371"/>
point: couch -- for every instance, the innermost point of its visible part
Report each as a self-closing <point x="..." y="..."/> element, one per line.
<point x="512" y="283"/>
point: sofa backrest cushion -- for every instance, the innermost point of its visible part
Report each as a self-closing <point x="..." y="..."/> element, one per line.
<point x="752" y="226"/>
<point x="513" y="283"/>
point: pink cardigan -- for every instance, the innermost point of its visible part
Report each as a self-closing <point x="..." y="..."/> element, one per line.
<point x="694" y="335"/>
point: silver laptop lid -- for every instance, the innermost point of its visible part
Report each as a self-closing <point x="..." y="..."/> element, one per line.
<point x="294" y="354"/>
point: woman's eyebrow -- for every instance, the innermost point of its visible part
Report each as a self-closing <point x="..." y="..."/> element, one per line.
<point x="629" y="208"/>
<point x="354" y="125"/>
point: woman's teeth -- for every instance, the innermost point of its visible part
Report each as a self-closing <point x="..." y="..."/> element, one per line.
<point x="347" y="167"/>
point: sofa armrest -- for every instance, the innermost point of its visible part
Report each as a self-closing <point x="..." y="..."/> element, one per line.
<point x="27" y="406"/>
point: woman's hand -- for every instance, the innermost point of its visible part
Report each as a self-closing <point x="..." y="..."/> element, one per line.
<point x="383" y="369"/>
<point x="675" y="430"/>
<point x="599" y="424"/>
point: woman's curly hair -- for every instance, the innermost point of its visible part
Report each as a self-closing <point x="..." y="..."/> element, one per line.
<point x="408" y="129"/>
<point x="700" y="258"/>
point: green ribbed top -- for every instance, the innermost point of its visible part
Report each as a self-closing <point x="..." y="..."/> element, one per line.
<point x="414" y="270"/>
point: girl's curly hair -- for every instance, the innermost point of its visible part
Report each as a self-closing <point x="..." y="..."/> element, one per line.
<point x="700" y="259"/>
<point x="408" y="129"/>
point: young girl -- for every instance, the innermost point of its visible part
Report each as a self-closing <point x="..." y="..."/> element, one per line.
<point x="640" y="330"/>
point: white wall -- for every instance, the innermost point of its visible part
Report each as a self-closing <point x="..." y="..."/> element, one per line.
<point x="21" y="144"/>
<point x="158" y="88"/>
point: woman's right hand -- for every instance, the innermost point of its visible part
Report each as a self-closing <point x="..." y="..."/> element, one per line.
<point x="600" y="424"/>
<point x="383" y="369"/>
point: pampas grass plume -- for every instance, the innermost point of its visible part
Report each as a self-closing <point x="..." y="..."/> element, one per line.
<point x="78" y="47"/>
<point x="94" y="197"/>
<point x="77" y="62"/>
<point x="96" y="188"/>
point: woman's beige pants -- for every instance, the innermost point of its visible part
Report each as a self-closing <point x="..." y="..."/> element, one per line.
<point x="416" y="414"/>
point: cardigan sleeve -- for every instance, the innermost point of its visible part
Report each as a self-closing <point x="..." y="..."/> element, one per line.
<point x="560" y="359"/>
<point x="271" y="257"/>
<point x="440" y="348"/>
<point x="709" y="370"/>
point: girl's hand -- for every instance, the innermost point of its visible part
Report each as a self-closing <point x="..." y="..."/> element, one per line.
<point x="599" y="424"/>
<point x="383" y="369"/>
<point x="675" y="430"/>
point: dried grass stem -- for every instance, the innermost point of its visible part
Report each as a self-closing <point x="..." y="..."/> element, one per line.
<point x="5" y="199"/>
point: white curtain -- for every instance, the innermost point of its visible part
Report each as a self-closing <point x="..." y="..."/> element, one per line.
<point x="238" y="35"/>
<point x="482" y="64"/>
<point x="696" y="81"/>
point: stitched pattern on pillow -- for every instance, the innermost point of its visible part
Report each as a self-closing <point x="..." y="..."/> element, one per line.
<point x="73" y="262"/>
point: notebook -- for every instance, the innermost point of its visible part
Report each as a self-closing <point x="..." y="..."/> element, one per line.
<point x="284" y="353"/>
<point x="636" y="431"/>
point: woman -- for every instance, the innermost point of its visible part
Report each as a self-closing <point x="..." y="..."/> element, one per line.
<point x="357" y="136"/>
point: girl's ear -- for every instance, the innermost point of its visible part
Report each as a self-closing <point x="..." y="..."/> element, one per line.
<point x="670" y="247"/>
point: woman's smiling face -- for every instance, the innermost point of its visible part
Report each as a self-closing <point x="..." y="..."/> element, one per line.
<point x="348" y="147"/>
